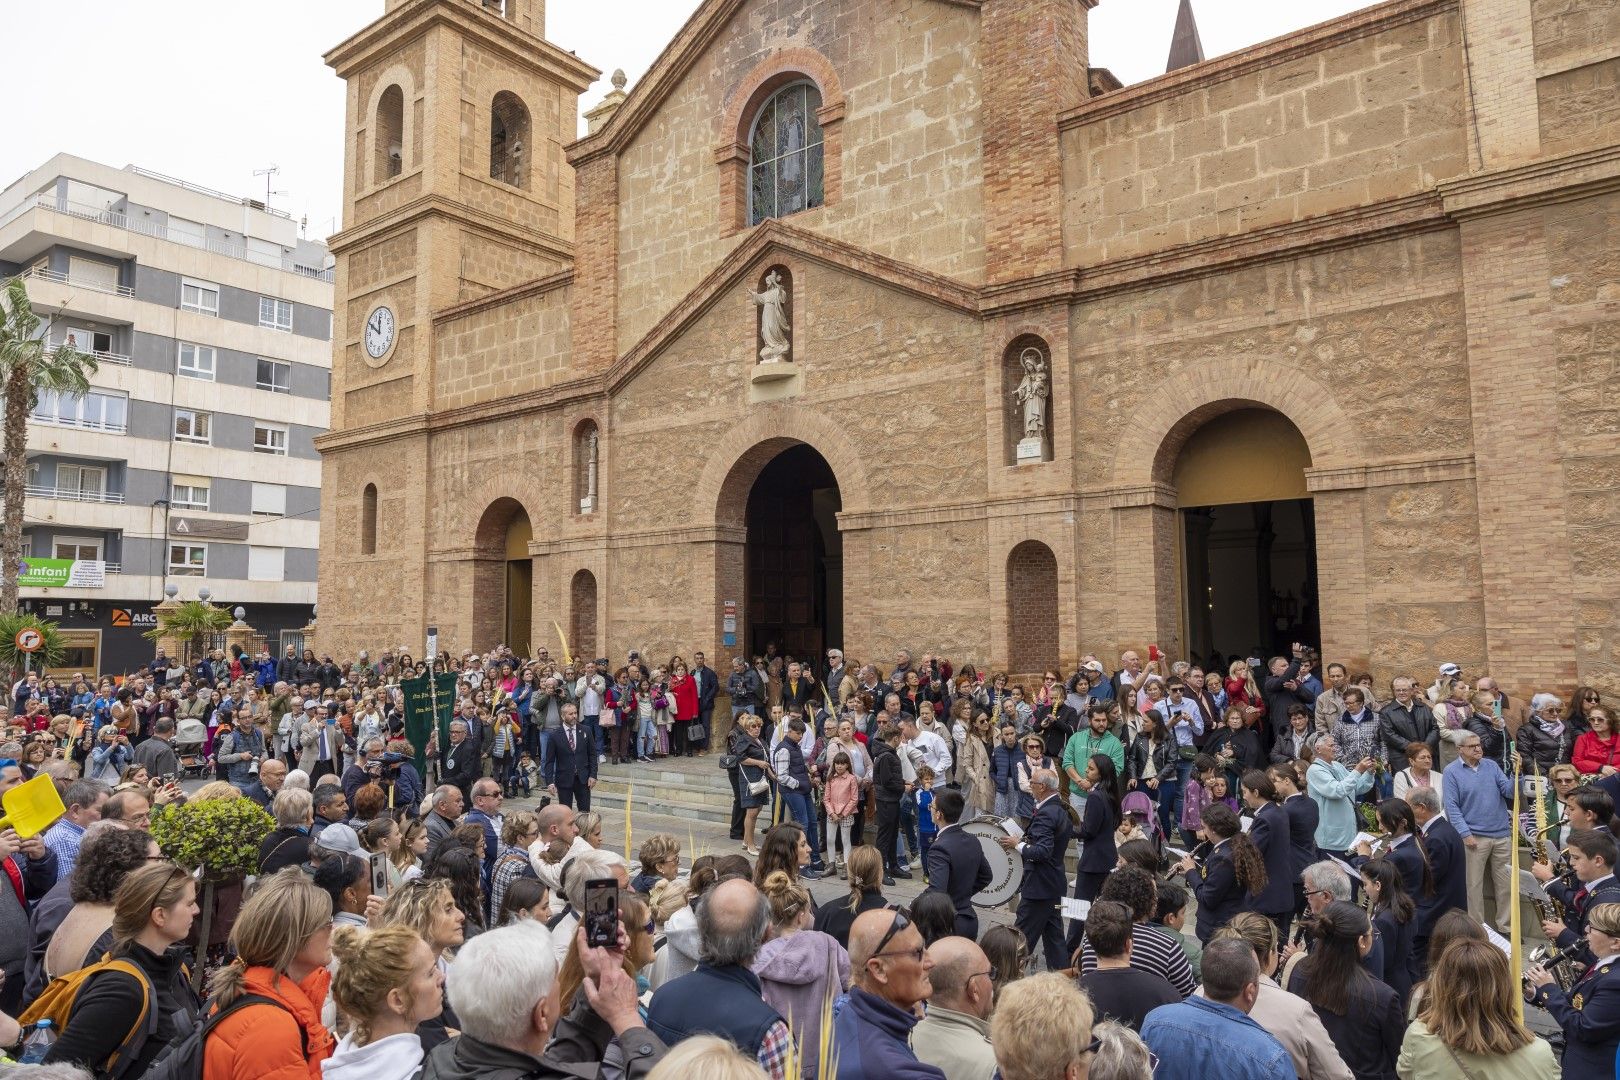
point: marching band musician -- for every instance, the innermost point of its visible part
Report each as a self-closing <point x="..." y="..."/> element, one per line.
<point x="1403" y="848"/>
<point x="1232" y="874"/>
<point x="1446" y="860"/>
<point x="1303" y="818"/>
<point x="1590" y="1012"/>
<point x="1270" y="835"/>
<point x="1591" y="857"/>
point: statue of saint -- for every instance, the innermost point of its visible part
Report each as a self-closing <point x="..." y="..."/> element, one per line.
<point x="773" y="319"/>
<point x="1031" y="392"/>
<point x="591" y="443"/>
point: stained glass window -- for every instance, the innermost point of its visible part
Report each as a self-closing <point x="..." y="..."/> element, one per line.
<point x="785" y="155"/>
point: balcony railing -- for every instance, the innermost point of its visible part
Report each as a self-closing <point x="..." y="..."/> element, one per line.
<point x="39" y="491"/>
<point x="42" y="274"/>
<point x="101" y="356"/>
<point x="52" y="420"/>
<point x="163" y="232"/>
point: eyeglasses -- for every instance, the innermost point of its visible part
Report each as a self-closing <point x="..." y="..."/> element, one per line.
<point x="991" y="975"/>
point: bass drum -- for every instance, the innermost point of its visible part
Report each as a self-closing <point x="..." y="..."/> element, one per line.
<point x="1006" y="867"/>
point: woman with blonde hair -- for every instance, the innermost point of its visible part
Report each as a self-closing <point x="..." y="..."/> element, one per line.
<point x="1468" y="1026"/>
<point x="800" y="969"/>
<point x="283" y="943"/>
<point x="589" y="826"/>
<point x="413" y="843"/>
<point x="709" y="1057"/>
<point x="386" y="984"/>
<point x="865" y="893"/>
<point x="1288" y="1017"/>
<point x="428" y="907"/>
<point x="974" y="771"/>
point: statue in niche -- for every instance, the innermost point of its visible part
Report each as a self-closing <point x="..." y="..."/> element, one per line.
<point x="774" y="325"/>
<point x="588" y="503"/>
<point x="1031" y="392"/>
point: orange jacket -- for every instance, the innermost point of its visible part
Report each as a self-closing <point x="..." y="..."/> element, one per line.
<point x="261" y="1042"/>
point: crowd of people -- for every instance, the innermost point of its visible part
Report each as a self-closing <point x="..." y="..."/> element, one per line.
<point x="1243" y="868"/>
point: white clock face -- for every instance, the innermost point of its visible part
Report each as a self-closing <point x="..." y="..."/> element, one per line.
<point x="379" y="333"/>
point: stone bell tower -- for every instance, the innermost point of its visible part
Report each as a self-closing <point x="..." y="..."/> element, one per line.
<point x="455" y="187"/>
<point x="455" y="184"/>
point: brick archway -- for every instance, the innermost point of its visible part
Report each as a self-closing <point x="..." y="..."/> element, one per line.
<point x="735" y="462"/>
<point x="1154" y="435"/>
<point x="1032" y="608"/>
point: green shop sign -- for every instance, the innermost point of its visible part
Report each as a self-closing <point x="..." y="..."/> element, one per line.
<point x="62" y="573"/>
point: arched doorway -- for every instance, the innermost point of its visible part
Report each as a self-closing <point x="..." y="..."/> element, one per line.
<point x="1249" y="536"/>
<point x="503" y="578"/>
<point x="582" y="616"/>
<point x="793" y="560"/>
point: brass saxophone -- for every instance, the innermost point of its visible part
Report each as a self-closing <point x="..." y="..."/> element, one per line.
<point x="1551" y="908"/>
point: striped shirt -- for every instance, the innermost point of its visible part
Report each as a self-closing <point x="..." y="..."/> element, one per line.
<point x="1154" y="951"/>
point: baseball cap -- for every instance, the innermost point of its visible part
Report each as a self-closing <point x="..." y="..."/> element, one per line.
<point x="311" y="703"/>
<point x="1094" y="665"/>
<point x="1450" y="669"/>
<point x="341" y="839"/>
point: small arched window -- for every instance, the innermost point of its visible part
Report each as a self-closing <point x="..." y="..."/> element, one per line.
<point x="368" y="520"/>
<point x="785" y="151"/>
<point x="509" y="140"/>
<point x="389" y="141"/>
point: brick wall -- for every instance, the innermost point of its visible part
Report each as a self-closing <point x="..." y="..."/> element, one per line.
<point x="1032" y="608"/>
<point x="582" y="621"/>
<point x="500" y="351"/>
<point x="1580" y="108"/>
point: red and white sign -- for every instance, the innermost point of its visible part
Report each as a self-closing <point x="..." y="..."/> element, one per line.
<point x="29" y="640"/>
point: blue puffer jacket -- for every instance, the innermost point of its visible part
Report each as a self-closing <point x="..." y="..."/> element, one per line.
<point x="1004" y="768"/>
<point x="870" y="1039"/>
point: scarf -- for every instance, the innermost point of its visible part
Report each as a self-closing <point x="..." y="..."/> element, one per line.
<point x="1553" y="729"/>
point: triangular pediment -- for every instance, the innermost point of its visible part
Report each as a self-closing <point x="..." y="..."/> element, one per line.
<point x="666" y="72"/>
<point x="774" y="239"/>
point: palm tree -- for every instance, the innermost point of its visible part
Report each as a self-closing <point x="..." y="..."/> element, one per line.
<point x="192" y="622"/>
<point x="28" y="366"/>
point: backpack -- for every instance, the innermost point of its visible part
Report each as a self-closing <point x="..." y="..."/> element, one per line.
<point x="55" y="1003"/>
<point x="184" y="1058"/>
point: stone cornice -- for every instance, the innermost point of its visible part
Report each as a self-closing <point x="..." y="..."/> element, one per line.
<point x="1389" y="474"/>
<point x="497" y="34"/>
<point x="775" y="236"/>
<point x="404" y="215"/>
<point x="537" y="287"/>
<point x="1552" y="180"/>
<point x="1313" y="39"/>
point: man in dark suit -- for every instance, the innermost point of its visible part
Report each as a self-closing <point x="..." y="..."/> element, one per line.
<point x="1303" y="817"/>
<point x="570" y="770"/>
<point x="708" y="685"/>
<point x="458" y="762"/>
<point x="956" y="862"/>
<point x="1043" y="849"/>
<point x="1447" y="868"/>
<point x="1271" y="834"/>
<point x="798" y="688"/>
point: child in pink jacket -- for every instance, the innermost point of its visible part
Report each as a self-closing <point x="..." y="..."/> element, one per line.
<point x="841" y="797"/>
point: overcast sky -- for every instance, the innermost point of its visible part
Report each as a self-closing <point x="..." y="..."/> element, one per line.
<point x="210" y="92"/>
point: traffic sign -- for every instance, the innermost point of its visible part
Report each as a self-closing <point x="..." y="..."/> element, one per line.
<point x="29" y="640"/>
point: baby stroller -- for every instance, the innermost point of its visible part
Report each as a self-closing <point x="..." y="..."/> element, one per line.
<point x="1137" y="805"/>
<point x="190" y="735"/>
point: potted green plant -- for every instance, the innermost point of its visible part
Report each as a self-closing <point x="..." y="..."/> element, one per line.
<point x="219" y="840"/>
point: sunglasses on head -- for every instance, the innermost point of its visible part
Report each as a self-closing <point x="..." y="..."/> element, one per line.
<point x="898" y="925"/>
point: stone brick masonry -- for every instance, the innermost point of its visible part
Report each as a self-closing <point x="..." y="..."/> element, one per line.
<point x="1398" y="229"/>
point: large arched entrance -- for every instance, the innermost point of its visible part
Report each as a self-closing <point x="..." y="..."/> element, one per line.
<point x="503" y="578"/>
<point x="793" y="560"/>
<point x="1248" y="536"/>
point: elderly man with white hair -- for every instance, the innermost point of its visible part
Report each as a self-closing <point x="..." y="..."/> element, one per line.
<point x="589" y="865"/>
<point x="503" y="989"/>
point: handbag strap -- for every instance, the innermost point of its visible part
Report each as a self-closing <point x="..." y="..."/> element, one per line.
<point x="1468" y="1074"/>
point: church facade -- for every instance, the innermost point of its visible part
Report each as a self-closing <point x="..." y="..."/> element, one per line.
<point x="897" y="324"/>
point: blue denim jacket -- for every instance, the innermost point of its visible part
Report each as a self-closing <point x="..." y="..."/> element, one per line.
<point x="1198" y="1038"/>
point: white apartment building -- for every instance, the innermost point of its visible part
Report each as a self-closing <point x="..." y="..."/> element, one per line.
<point x="191" y="460"/>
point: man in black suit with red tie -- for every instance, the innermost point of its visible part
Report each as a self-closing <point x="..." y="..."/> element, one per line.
<point x="1043" y="848"/>
<point x="570" y="770"/>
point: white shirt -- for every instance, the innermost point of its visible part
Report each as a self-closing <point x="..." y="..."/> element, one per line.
<point x="935" y="754"/>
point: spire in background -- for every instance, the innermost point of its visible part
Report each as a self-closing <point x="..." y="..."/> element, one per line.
<point x="1185" y="47"/>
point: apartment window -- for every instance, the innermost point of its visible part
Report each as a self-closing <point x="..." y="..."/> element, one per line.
<point x="267" y="564"/>
<point x="86" y="340"/>
<point x="269" y="439"/>
<point x="276" y="314"/>
<point x="191" y="426"/>
<point x="84" y="482"/>
<point x="270" y="499"/>
<point x="275" y="376"/>
<point x="197" y="361"/>
<point x="82" y="548"/>
<point x="98" y="410"/>
<point x="103" y="277"/>
<point x="189" y="493"/>
<point x="200" y="296"/>
<point x="188" y="560"/>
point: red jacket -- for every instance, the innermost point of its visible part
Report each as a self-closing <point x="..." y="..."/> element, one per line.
<point x="684" y="691"/>
<point x="1592" y="753"/>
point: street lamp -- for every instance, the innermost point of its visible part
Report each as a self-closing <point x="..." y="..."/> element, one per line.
<point x="171" y="590"/>
<point x="204" y="593"/>
<point x="240" y="613"/>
